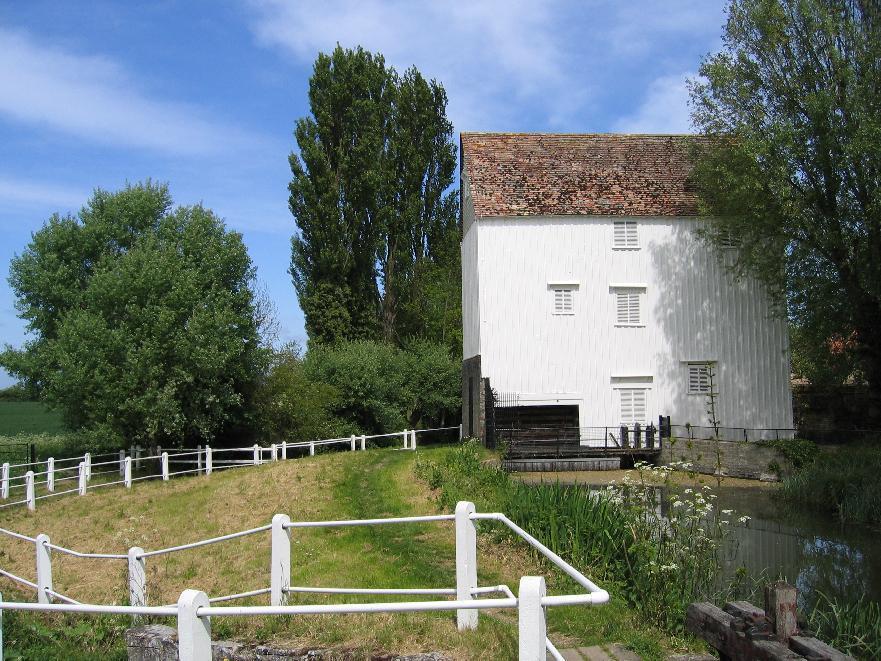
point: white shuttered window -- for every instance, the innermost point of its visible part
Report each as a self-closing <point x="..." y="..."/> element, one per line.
<point x="628" y="307"/>
<point x="564" y="300"/>
<point x="625" y="235"/>
<point x="632" y="405"/>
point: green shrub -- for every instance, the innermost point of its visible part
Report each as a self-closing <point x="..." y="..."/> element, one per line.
<point x="292" y="407"/>
<point x="382" y="388"/>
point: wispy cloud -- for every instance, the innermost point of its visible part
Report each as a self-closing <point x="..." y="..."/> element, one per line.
<point x="558" y="63"/>
<point x="95" y="98"/>
<point x="16" y="193"/>
<point x="664" y="108"/>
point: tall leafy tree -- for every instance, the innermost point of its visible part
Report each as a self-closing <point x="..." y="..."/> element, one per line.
<point x="370" y="195"/>
<point x="144" y="321"/>
<point x="792" y="164"/>
<point x="421" y="229"/>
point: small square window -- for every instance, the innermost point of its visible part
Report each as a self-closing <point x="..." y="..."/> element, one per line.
<point x="564" y="302"/>
<point x="628" y="307"/>
<point x="625" y="235"/>
<point x="699" y="378"/>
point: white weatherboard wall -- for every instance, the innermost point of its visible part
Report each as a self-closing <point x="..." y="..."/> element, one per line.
<point x="692" y="311"/>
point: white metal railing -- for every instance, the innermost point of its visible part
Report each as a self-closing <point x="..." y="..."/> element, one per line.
<point x="194" y="607"/>
<point x="204" y="460"/>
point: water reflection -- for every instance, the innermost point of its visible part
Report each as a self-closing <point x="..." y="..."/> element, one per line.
<point x="814" y="553"/>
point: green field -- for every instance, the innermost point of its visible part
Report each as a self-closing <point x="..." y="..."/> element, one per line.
<point x="18" y="418"/>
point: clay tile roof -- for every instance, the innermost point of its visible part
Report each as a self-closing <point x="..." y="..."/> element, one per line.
<point x="542" y="174"/>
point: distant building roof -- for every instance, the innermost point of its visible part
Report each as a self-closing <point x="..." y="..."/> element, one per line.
<point x="558" y="174"/>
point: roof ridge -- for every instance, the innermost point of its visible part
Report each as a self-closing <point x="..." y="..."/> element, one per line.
<point x="580" y="135"/>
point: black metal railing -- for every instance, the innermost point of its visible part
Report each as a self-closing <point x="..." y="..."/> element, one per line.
<point x="569" y="442"/>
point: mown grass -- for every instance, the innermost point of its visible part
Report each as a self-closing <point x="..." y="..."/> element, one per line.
<point x="17" y="418"/>
<point x="333" y="486"/>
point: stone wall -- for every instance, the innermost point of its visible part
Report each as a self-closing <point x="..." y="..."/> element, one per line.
<point x="754" y="460"/>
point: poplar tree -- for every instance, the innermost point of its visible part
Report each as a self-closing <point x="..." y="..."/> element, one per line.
<point x="370" y="196"/>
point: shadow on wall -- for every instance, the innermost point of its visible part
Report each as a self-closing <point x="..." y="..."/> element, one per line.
<point x="704" y="313"/>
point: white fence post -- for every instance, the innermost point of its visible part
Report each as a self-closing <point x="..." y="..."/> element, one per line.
<point x="352" y="442"/>
<point x="460" y="431"/>
<point x="208" y="466"/>
<point x="122" y="463"/>
<point x="280" y="570"/>
<point x="198" y="459"/>
<point x="273" y="450"/>
<point x="193" y="632"/>
<point x="4" y="481"/>
<point x="29" y="490"/>
<point x="127" y="473"/>
<point x="406" y="434"/>
<point x="466" y="563"/>
<point x="87" y="460"/>
<point x="50" y="474"/>
<point x="311" y="448"/>
<point x="284" y="450"/>
<point x="44" y="569"/>
<point x="82" y="477"/>
<point x="256" y="454"/>
<point x="164" y="466"/>
<point x="532" y="630"/>
<point x="137" y="577"/>
<point x="413" y="440"/>
<point x="363" y="442"/>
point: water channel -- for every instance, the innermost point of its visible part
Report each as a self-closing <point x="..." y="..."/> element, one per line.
<point x="812" y="551"/>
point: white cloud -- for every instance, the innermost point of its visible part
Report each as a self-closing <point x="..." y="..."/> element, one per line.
<point x="506" y="65"/>
<point x="664" y="108"/>
<point x="95" y="98"/>
<point x="490" y="55"/>
<point x="18" y="193"/>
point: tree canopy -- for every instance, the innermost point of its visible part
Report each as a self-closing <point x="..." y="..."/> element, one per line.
<point x="143" y="317"/>
<point x="376" y="254"/>
<point x="791" y="108"/>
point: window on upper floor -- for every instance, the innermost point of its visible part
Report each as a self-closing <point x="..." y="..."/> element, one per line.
<point x="625" y="235"/>
<point x="564" y="299"/>
<point x="628" y="306"/>
<point x="699" y="378"/>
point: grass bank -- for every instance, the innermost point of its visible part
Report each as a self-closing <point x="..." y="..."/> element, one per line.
<point x="845" y="483"/>
<point x="371" y="484"/>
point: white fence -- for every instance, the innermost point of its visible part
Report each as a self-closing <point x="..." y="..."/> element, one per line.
<point x="194" y="608"/>
<point x="201" y="460"/>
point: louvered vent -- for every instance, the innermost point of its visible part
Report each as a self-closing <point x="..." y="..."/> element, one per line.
<point x="628" y="307"/>
<point x="626" y="236"/>
<point x="633" y="405"/>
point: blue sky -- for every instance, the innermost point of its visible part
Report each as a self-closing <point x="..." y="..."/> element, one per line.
<point x="204" y="95"/>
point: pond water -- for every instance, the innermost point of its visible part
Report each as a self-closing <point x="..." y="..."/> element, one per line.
<point x="811" y="551"/>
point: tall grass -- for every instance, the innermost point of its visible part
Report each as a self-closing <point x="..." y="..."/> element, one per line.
<point x="853" y="628"/>
<point x="845" y="483"/>
<point x="660" y="550"/>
